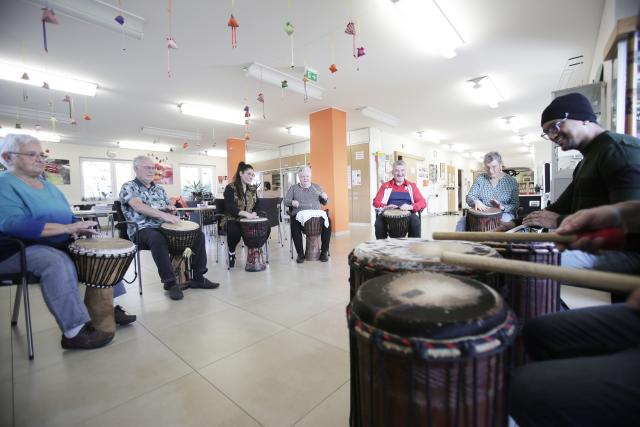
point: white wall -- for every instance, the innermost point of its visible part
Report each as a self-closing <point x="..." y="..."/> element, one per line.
<point x="73" y="153"/>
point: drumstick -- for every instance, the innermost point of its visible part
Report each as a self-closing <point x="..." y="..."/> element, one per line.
<point x="611" y="282"/>
<point x="613" y="237"/>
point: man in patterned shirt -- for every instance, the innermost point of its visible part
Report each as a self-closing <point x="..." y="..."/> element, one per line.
<point x="148" y="205"/>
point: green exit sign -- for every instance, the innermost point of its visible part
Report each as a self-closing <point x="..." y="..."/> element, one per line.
<point x="311" y="75"/>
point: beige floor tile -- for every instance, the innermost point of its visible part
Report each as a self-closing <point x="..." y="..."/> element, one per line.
<point x="82" y="387"/>
<point x="208" y="338"/>
<point x="282" y="378"/>
<point x="334" y="411"/>
<point x="189" y="401"/>
<point x="329" y="326"/>
<point x="5" y="359"/>
<point x="41" y="317"/>
<point x="5" y="315"/>
<point x="6" y="403"/>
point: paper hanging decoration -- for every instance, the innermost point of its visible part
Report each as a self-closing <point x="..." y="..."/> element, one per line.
<point x="120" y="20"/>
<point x="48" y="17"/>
<point x="360" y="52"/>
<point x="45" y="85"/>
<point x="69" y="101"/>
<point x="233" y="23"/>
<point x="304" y="82"/>
<point x="351" y="30"/>
<point x="261" y="101"/>
<point x="289" y="29"/>
<point x="25" y="76"/>
<point x="171" y="42"/>
<point x="333" y="68"/>
<point x="185" y="145"/>
<point x="86" y="117"/>
<point x="284" y="84"/>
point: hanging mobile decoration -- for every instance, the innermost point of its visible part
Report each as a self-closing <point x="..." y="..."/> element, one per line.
<point x="120" y="20"/>
<point x="86" y="117"/>
<point x="305" y="79"/>
<point x="284" y="84"/>
<point x="289" y="29"/>
<point x="185" y="145"/>
<point x="45" y="85"/>
<point x="48" y="17"/>
<point x="69" y="101"/>
<point x="261" y="100"/>
<point x="360" y="52"/>
<point x="351" y="30"/>
<point x="171" y="42"/>
<point x="333" y="68"/>
<point x="247" y="115"/>
<point x="233" y="23"/>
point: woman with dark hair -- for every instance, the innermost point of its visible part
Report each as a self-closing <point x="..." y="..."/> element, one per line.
<point x="240" y="198"/>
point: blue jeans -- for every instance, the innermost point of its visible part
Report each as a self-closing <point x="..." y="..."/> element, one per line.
<point x="58" y="282"/>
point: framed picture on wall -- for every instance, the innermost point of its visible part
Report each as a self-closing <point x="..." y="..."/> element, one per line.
<point x="433" y="173"/>
<point x="443" y="171"/>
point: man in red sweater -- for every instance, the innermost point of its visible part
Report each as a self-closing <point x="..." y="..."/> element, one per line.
<point x="399" y="193"/>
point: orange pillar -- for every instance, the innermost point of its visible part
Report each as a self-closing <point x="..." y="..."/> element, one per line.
<point x="329" y="162"/>
<point x="236" y="150"/>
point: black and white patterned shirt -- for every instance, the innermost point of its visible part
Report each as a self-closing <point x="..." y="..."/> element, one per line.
<point x="154" y="196"/>
<point x="506" y="192"/>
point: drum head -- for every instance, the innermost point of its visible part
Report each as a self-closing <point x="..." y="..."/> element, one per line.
<point x="429" y="305"/>
<point x="253" y="219"/>
<point x="415" y="254"/>
<point x="488" y="212"/>
<point x="395" y="213"/>
<point x="103" y="245"/>
<point x="180" y="226"/>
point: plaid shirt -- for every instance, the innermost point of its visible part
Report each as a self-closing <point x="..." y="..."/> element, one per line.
<point x="506" y="192"/>
<point x="154" y="196"/>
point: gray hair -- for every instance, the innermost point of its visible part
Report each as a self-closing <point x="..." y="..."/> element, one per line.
<point x="491" y="156"/>
<point x="399" y="163"/>
<point x="12" y="143"/>
<point x="138" y="159"/>
<point x="304" y="169"/>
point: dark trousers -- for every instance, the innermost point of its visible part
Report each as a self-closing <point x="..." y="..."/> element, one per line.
<point x="414" y="226"/>
<point x="296" y="236"/>
<point x="234" y="234"/>
<point x="587" y="369"/>
<point x="152" y="239"/>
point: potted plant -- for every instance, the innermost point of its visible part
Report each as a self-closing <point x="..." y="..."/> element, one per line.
<point x="196" y="189"/>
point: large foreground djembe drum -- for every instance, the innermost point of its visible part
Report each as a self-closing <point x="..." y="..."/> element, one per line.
<point x="396" y="222"/>
<point x="313" y="231"/>
<point x="372" y="259"/>
<point x="255" y="232"/>
<point x="429" y="350"/>
<point x="101" y="263"/>
<point x="487" y="220"/>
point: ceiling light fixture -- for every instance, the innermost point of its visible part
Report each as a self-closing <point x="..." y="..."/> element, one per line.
<point x="213" y="112"/>
<point x="171" y="133"/>
<point x="99" y="13"/>
<point x="430" y="136"/>
<point x="512" y="123"/>
<point x="486" y="90"/>
<point x="427" y="18"/>
<point x="41" y="135"/>
<point x="38" y="78"/>
<point x="142" y="145"/>
<point x="302" y="131"/>
<point x="270" y="75"/>
<point x="379" y="116"/>
<point x="27" y="113"/>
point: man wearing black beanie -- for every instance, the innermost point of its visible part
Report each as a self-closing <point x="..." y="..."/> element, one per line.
<point x="608" y="173"/>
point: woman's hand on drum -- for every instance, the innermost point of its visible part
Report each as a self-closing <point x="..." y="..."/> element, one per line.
<point x="248" y="215"/>
<point x="545" y="218"/>
<point x="497" y="204"/>
<point x="406" y="207"/>
<point x="479" y="206"/>
<point x="82" y="228"/>
<point x="172" y="219"/>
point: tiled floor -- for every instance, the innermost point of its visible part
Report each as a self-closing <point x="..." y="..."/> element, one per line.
<point x="268" y="348"/>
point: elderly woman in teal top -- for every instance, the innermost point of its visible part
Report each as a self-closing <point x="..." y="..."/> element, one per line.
<point x="496" y="189"/>
<point x="36" y="212"/>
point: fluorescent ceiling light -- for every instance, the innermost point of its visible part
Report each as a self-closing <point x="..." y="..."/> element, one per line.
<point x="429" y="22"/>
<point x="99" y="13"/>
<point x="142" y="145"/>
<point x="41" y="135"/>
<point x="215" y="152"/>
<point x="171" y="133"/>
<point x="486" y="90"/>
<point x="26" y="113"/>
<point x="38" y="78"/>
<point x="379" y="116"/>
<point x="297" y="130"/>
<point x="270" y="75"/>
<point x="213" y="112"/>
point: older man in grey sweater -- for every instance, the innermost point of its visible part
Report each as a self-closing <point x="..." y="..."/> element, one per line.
<point x="304" y="196"/>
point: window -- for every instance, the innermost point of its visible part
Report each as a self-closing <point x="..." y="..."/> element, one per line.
<point x="190" y="174"/>
<point x="102" y="179"/>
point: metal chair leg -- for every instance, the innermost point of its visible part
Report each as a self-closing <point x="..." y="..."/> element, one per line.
<point x="27" y="317"/>
<point x="138" y="270"/>
<point x="16" y="306"/>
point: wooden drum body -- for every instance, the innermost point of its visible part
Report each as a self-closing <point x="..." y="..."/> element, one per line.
<point x="487" y="220"/>
<point x="429" y="350"/>
<point x="255" y="232"/>
<point x="372" y="259"/>
<point x="313" y="230"/>
<point x="396" y="222"/>
<point x="101" y="264"/>
<point x="180" y="236"/>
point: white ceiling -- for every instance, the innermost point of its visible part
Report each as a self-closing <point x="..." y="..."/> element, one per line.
<point x="522" y="44"/>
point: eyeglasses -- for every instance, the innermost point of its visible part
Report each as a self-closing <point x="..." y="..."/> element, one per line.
<point x="148" y="168"/>
<point x="553" y="131"/>
<point x="32" y="155"/>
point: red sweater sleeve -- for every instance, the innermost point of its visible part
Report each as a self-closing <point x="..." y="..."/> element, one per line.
<point x="419" y="202"/>
<point x="377" y="201"/>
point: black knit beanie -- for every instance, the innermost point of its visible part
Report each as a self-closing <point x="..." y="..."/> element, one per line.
<point x="571" y="106"/>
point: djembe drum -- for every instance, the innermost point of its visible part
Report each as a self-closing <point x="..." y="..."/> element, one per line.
<point x="396" y="222"/>
<point x="313" y="231"/>
<point x="430" y="350"/>
<point x="371" y="259"/>
<point x="180" y="236"/>
<point x="101" y="264"/>
<point x="255" y="232"/>
<point x="487" y="220"/>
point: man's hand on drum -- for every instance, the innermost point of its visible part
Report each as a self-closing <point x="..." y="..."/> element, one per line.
<point x="406" y="207"/>
<point x="82" y="228"/>
<point x="479" y="206"/>
<point x="170" y="209"/>
<point x="545" y="218"/>
<point x="170" y="218"/>
<point x="586" y="220"/>
<point x="295" y="203"/>
<point x="390" y="207"/>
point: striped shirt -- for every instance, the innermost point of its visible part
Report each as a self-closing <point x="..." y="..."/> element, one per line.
<point x="309" y="198"/>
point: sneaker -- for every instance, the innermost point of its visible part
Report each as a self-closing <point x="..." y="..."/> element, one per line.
<point x="203" y="283"/>
<point x="300" y="259"/>
<point x="88" y="338"/>
<point x="324" y="257"/>
<point x="175" y="293"/>
<point x="121" y="316"/>
<point x="232" y="260"/>
<point x="169" y="285"/>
